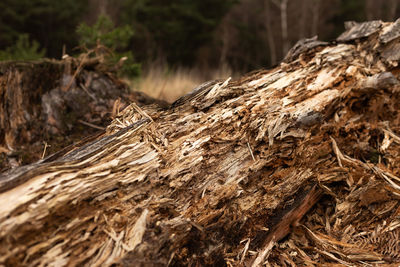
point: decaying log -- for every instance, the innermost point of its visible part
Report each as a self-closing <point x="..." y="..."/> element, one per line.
<point x="307" y="151"/>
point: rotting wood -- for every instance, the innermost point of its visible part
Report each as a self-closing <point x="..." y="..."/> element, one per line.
<point x="180" y="186"/>
<point x="289" y="220"/>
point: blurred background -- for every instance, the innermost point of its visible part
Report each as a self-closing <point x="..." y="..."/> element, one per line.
<point x="172" y="46"/>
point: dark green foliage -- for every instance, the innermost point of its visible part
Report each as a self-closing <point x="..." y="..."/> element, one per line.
<point x="106" y="33"/>
<point x="130" y="67"/>
<point x="252" y="43"/>
<point x="22" y="50"/>
<point x="175" y="30"/>
<point x="51" y="23"/>
<point x="115" y="40"/>
<point x="179" y="32"/>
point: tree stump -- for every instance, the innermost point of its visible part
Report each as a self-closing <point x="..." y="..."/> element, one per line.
<point x="57" y="102"/>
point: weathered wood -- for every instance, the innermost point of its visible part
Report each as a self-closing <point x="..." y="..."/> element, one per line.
<point x="359" y="30"/>
<point x="289" y="220"/>
<point x="302" y="46"/>
<point x="226" y="173"/>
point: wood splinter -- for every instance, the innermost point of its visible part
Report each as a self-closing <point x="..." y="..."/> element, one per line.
<point x="288" y="221"/>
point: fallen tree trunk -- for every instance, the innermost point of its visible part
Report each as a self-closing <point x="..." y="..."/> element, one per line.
<point x="309" y="149"/>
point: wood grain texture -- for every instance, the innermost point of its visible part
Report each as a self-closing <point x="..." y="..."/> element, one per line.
<point x="214" y="179"/>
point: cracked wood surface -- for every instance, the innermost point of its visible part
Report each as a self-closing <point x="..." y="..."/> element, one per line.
<point x="190" y="184"/>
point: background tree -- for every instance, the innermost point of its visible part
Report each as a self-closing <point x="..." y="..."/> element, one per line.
<point x="282" y="5"/>
<point x="23" y="49"/>
<point x="112" y="40"/>
<point x="51" y="23"/>
<point x="243" y="34"/>
<point x="176" y="31"/>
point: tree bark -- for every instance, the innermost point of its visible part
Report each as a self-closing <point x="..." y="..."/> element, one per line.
<point x="282" y="5"/>
<point x="392" y="8"/>
<point x="303" y="20"/>
<point x="270" y="34"/>
<point x="285" y="39"/>
<point x="369" y="9"/>
<point x="315" y="17"/>
<point x="308" y="149"/>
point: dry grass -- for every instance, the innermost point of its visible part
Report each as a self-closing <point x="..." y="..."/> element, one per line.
<point x="167" y="85"/>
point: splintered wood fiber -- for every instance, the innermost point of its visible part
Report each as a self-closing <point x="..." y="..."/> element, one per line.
<point x="292" y="166"/>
